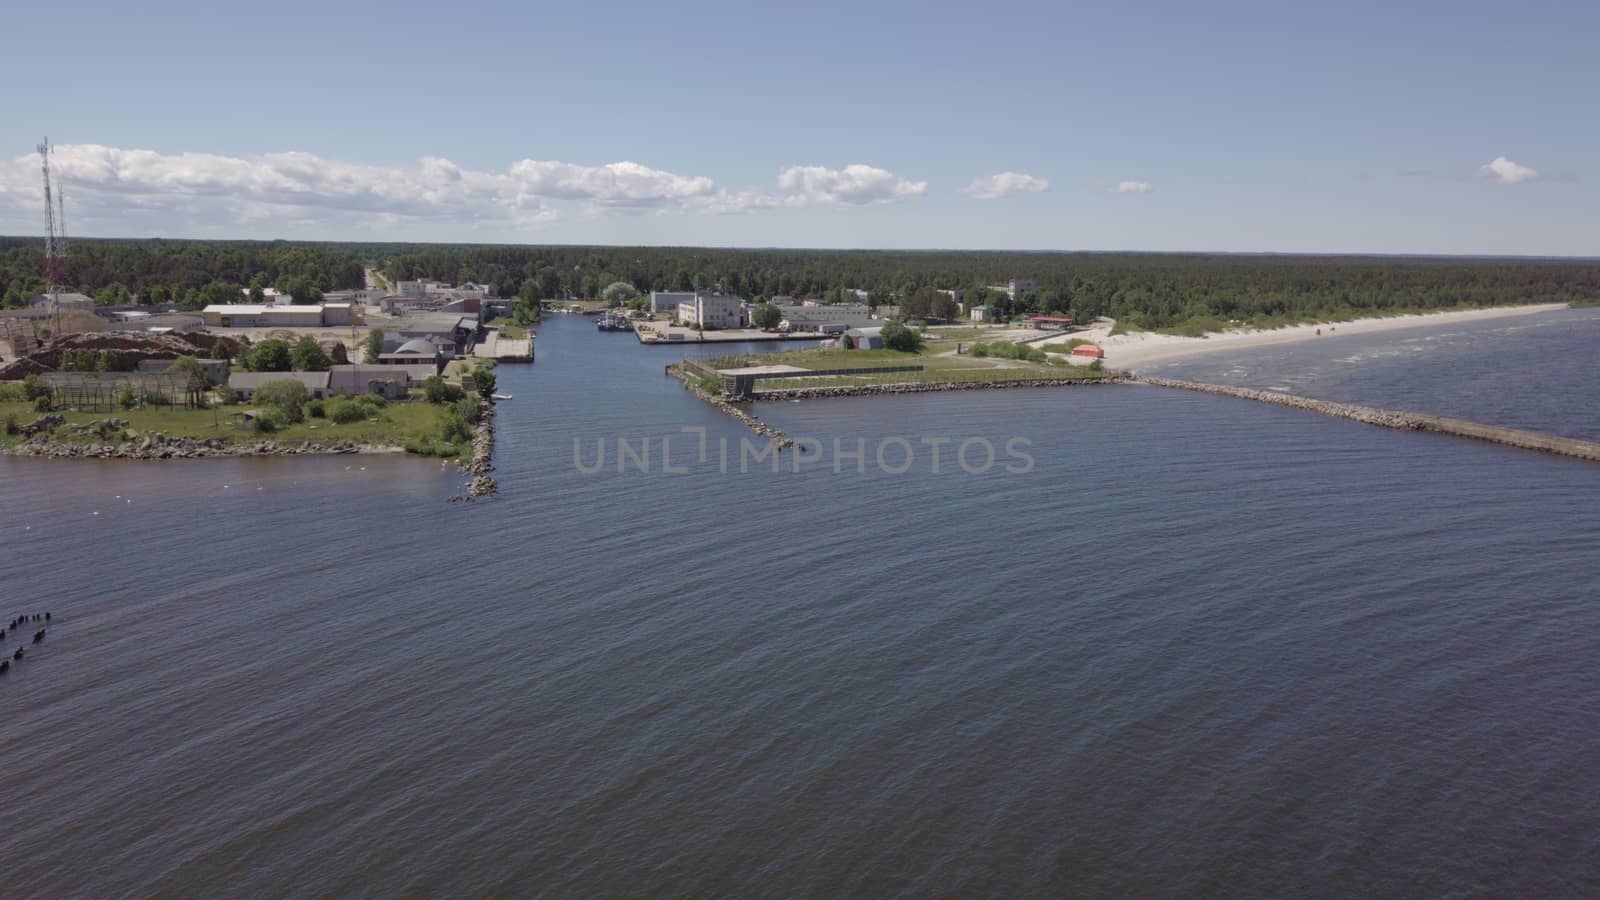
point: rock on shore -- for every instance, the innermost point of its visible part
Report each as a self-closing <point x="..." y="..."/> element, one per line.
<point x="160" y="446"/>
<point x="482" y="455"/>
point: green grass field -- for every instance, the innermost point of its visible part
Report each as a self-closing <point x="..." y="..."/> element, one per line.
<point x="936" y="354"/>
<point x="937" y="376"/>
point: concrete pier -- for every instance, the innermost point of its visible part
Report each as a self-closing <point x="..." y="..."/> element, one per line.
<point x="495" y="347"/>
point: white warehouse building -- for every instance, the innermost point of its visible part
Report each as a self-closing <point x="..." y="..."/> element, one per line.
<point x="668" y="301"/>
<point x="712" y="311"/>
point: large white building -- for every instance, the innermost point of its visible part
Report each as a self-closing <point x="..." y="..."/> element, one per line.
<point x="415" y="290"/>
<point x="712" y="311"/>
<point x="1016" y="287"/>
<point x="667" y="301"/>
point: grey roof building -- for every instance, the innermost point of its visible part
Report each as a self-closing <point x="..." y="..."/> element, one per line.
<point x="246" y="383"/>
<point x="865" y="338"/>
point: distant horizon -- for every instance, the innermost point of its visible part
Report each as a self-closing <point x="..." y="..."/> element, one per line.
<point x="800" y="249"/>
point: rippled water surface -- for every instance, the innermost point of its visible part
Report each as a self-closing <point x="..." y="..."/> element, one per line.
<point x="1540" y="371"/>
<point x="1203" y="647"/>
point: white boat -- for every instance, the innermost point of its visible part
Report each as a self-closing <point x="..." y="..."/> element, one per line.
<point x="500" y="396"/>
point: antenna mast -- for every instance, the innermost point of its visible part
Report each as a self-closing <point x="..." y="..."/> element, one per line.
<point x="55" y="236"/>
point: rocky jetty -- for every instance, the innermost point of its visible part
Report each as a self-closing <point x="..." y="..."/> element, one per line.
<point x="482" y="455"/>
<point x="751" y="422"/>
<point x="1388" y="418"/>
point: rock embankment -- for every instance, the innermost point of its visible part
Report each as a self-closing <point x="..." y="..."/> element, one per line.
<point x="914" y="387"/>
<point x="482" y="455"/>
<point x="160" y="446"/>
<point x="1408" y="421"/>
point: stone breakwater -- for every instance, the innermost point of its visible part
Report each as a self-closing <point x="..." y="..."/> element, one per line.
<point x="754" y="424"/>
<point x="913" y="387"/>
<point x="1408" y="421"/>
<point x="160" y="446"/>
<point x="482" y="485"/>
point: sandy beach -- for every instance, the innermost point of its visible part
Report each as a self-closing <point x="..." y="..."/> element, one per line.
<point x="1131" y="351"/>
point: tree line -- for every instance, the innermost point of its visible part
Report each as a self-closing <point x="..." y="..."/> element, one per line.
<point x="190" y="274"/>
<point x="1144" y="290"/>
<point x="1147" y="290"/>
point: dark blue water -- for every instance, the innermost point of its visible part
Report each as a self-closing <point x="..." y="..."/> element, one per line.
<point x="1203" y="647"/>
<point x="1540" y="371"/>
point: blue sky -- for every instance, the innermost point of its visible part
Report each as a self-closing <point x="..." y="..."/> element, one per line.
<point x="1361" y="127"/>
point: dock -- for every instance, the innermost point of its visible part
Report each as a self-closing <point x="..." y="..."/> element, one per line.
<point x="495" y="347"/>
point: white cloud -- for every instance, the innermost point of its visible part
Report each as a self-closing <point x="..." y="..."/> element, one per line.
<point x="106" y="185"/>
<point x="855" y="184"/>
<point x="1005" y="184"/>
<point x="107" y="181"/>
<point x="1506" y="172"/>
<point x="616" y="184"/>
<point x="1134" y="187"/>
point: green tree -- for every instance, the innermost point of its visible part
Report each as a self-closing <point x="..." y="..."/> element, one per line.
<point x="219" y="350"/>
<point x="897" y="336"/>
<point x="308" y="356"/>
<point x="218" y="293"/>
<point x="618" y="292"/>
<point x="189" y="365"/>
<point x="453" y="428"/>
<point x="300" y="288"/>
<point x="766" y="316"/>
<point x="344" y="412"/>
<point x="285" y="396"/>
<point x="484" y="381"/>
<point x="113" y="294"/>
<point x="373" y="345"/>
<point x="437" y="390"/>
<point x="526" y="310"/>
<point x="271" y="355"/>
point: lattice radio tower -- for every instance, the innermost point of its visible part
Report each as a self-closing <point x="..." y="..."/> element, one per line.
<point x="55" y="234"/>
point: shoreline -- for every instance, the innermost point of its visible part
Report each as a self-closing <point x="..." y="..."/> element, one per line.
<point x="1129" y="352"/>
<point x="160" y="446"/>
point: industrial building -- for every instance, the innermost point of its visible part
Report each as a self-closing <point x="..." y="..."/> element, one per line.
<point x="668" y="301"/>
<point x="254" y="315"/>
<point x="245" y="384"/>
